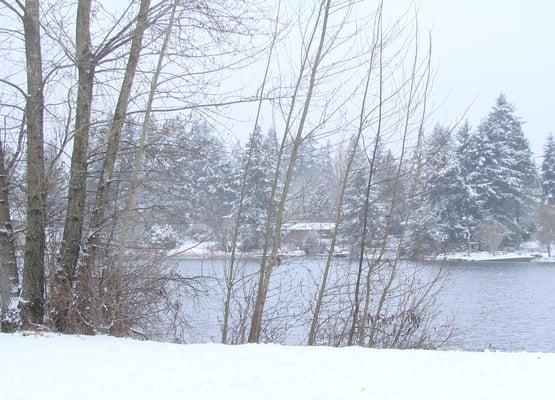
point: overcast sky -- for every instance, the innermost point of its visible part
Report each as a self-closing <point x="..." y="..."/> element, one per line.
<point x="482" y="47"/>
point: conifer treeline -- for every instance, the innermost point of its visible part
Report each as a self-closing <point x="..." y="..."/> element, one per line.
<point x="474" y="178"/>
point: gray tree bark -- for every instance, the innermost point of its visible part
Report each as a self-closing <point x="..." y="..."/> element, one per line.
<point x="139" y="157"/>
<point x="73" y="227"/>
<point x="32" y="299"/>
<point x="9" y="279"/>
<point x="112" y="148"/>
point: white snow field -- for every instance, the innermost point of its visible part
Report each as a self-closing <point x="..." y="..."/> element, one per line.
<point x="103" y="368"/>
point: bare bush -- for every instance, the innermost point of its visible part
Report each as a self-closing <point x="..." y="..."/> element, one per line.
<point x="491" y="234"/>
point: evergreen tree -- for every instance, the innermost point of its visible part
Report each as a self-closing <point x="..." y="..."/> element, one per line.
<point x="432" y="227"/>
<point x="258" y="188"/>
<point x="193" y="182"/>
<point x="449" y="188"/>
<point x="318" y="199"/>
<point x="310" y="193"/>
<point x="548" y="171"/>
<point x="354" y="201"/>
<point x="502" y="174"/>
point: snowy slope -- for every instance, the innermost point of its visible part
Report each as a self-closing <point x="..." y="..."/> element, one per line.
<point x="103" y="368"/>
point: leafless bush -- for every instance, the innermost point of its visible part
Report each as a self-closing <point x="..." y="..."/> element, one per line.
<point x="142" y="299"/>
<point x="409" y="315"/>
<point x="545" y="218"/>
<point x="491" y="234"/>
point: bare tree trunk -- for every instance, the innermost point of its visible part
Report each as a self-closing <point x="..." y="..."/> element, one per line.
<point x="112" y="148"/>
<point x="256" y="325"/>
<point x="230" y="276"/>
<point x="389" y="220"/>
<point x="139" y="157"/>
<point x="339" y="209"/>
<point x="415" y="182"/>
<point x="32" y="300"/>
<point x="73" y="228"/>
<point x="356" y="307"/>
<point x="265" y="269"/>
<point x="9" y="279"/>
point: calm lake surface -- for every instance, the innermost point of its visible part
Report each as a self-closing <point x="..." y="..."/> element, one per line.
<point x="507" y="306"/>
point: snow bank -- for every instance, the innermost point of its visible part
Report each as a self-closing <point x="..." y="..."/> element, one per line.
<point x="500" y="256"/>
<point x="72" y="367"/>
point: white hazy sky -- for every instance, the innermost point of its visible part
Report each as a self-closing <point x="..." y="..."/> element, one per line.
<point x="483" y="47"/>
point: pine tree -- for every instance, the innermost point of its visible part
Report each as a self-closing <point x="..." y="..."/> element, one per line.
<point x="194" y="180"/>
<point x="502" y="176"/>
<point x="463" y="213"/>
<point x="355" y="196"/>
<point x="431" y="228"/>
<point x="548" y="171"/>
<point x="318" y="199"/>
<point x="258" y="189"/>
<point x="451" y="193"/>
<point x="310" y="198"/>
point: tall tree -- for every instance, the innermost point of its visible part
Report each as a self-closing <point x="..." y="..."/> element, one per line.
<point x="503" y="174"/>
<point x="312" y="183"/>
<point x="73" y="227"/>
<point x="32" y="298"/>
<point x="271" y="246"/>
<point x="548" y="171"/>
<point x="462" y="217"/>
<point x="354" y="203"/>
<point x="258" y="182"/>
<point x="109" y="161"/>
<point x="430" y="228"/>
<point x="9" y="278"/>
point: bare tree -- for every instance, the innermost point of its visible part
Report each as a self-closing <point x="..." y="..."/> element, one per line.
<point x="339" y="207"/>
<point x="145" y="126"/>
<point x="32" y="298"/>
<point x="116" y="126"/>
<point x="373" y="161"/>
<point x="230" y="276"/>
<point x="256" y="324"/>
<point x="9" y="277"/>
<point x="545" y="218"/>
<point x="73" y="227"/>
<point x="491" y="234"/>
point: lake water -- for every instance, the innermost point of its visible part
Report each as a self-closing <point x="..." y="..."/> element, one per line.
<point x="506" y="306"/>
<point x="495" y="305"/>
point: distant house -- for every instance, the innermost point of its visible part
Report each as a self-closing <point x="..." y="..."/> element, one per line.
<point x="311" y="237"/>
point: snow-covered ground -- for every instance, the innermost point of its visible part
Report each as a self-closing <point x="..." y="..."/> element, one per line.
<point x="499" y="256"/>
<point x="77" y="368"/>
<point x="487" y="256"/>
<point x="528" y="249"/>
<point x="204" y="250"/>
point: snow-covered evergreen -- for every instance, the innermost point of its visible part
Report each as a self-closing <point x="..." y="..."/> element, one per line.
<point x="355" y="198"/>
<point x="433" y="221"/>
<point x="310" y="196"/>
<point x="502" y="175"/>
<point x="548" y="171"/>
<point x="258" y="187"/>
